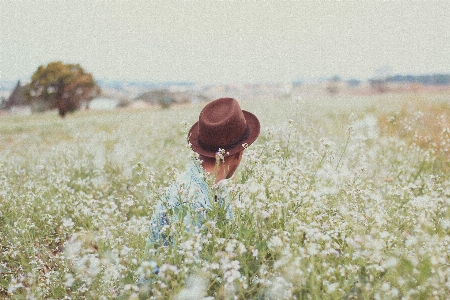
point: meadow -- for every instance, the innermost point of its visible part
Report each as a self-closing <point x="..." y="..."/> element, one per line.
<point x="344" y="197"/>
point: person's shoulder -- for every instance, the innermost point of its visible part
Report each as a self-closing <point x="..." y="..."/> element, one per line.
<point x="194" y="169"/>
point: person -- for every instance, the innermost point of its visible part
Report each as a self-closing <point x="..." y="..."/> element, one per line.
<point x="219" y="138"/>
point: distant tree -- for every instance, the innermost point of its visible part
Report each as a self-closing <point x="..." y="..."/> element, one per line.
<point x="297" y="83"/>
<point x="166" y="98"/>
<point x="333" y="85"/>
<point x="17" y="97"/>
<point x="380" y="81"/>
<point x="353" y="82"/>
<point x="61" y="86"/>
<point x="380" y="85"/>
<point x="3" y="102"/>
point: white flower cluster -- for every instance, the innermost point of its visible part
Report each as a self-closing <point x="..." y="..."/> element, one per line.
<point x="325" y="205"/>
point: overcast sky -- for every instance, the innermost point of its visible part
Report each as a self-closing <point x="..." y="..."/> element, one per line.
<point x="206" y="41"/>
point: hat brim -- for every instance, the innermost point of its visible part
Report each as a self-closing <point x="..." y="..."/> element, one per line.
<point x="254" y="128"/>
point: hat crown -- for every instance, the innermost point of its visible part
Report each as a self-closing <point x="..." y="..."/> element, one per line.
<point x="221" y="124"/>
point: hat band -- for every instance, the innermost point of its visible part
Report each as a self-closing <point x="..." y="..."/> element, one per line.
<point x="227" y="146"/>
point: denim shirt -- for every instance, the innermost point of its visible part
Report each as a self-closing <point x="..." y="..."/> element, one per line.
<point x="187" y="200"/>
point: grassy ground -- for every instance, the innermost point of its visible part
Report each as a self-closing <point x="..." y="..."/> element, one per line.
<point x="340" y="197"/>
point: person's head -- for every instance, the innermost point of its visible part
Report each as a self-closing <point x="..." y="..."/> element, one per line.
<point x="223" y="130"/>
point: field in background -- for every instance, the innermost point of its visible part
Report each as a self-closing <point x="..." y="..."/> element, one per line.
<point x="340" y="197"/>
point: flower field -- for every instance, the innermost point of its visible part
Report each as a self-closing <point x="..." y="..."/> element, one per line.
<point x="339" y="198"/>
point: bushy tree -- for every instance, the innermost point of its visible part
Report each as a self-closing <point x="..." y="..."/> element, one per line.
<point x="61" y="86"/>
<point x="333" y="85"/>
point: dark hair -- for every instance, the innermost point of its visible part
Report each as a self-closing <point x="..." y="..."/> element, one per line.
<point x="212" y="160"/>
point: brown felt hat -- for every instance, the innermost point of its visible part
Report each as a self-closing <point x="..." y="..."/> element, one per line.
<point x="223" y="125"/>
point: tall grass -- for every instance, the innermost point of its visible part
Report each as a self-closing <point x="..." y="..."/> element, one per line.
<point x="333" y="201"/>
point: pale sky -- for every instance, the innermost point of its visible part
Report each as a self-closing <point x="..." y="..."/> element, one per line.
<point x="225" y="42"/>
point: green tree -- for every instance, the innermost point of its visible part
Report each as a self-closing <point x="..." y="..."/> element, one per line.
<point x="333" y="85"/>
<point x="61" y="86"/>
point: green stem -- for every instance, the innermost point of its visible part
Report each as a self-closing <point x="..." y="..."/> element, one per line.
<point x="343" y="152"/>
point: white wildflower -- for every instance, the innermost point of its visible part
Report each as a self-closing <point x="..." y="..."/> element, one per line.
<point x="279" y="289"/>
<point x="73" y="247"/>
<point x="14" y="285"/>
<point x="255" y="253"/>
<point x="196" y="288"/>
<point x="331" y="287"/>
<point x="69" y="280"/>
<point x="390" y="262"/>
<point x="231" y="245"/>
<point x="68" y="223"/>
<point x="275" y="242"/>
<point x="129" y="201"/>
